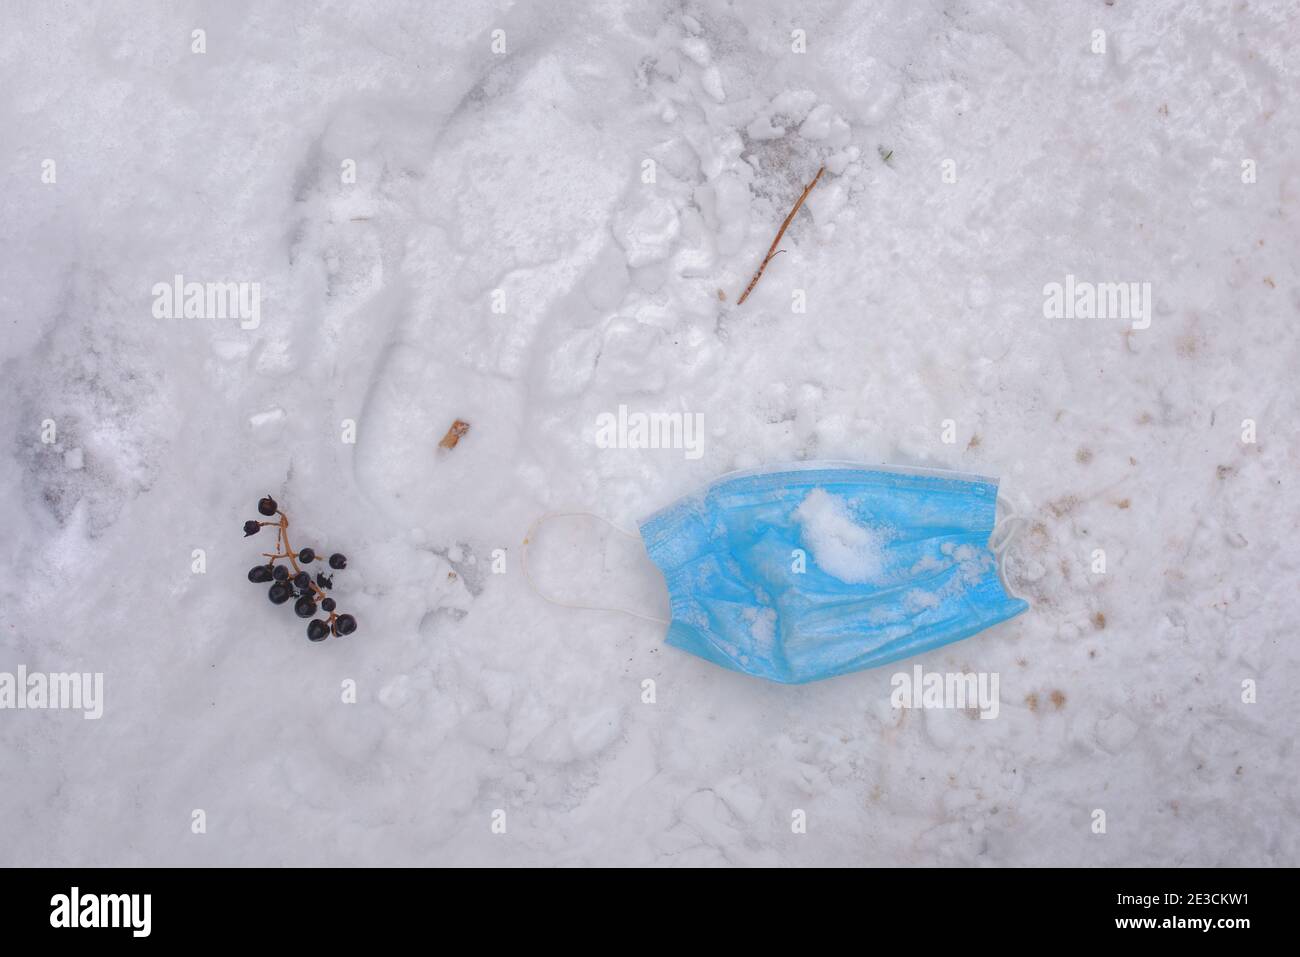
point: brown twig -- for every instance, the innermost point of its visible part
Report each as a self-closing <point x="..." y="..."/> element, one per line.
<point x="772" y="250"/>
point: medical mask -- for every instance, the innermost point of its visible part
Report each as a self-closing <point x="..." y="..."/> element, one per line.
<point x="808" y="571"/>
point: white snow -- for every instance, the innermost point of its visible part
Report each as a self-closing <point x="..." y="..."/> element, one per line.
<point x="503" y="256"/>
<point x="841" y="545"/>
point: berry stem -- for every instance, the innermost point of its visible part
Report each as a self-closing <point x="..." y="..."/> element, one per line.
<point x="284" y="550"/>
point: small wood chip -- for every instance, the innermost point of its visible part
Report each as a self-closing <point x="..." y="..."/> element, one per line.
<point x="458" y="428"/>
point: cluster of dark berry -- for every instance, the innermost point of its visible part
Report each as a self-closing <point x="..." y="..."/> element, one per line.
<point x="294" y="581"/>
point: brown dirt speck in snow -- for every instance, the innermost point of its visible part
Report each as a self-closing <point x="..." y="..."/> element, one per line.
<point x="1063" y="505"/>
<point x="1187" y="346"/>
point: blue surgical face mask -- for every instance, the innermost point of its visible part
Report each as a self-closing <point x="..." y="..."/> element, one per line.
<point x="813" y="570"/>
<point x="810" y="571"/>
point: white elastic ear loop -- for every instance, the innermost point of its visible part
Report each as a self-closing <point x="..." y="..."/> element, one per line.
<point x="1009" y="527"/>
<point x="528" y="537"/>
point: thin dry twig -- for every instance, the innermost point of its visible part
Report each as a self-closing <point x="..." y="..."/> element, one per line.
<point x="772" y="250"/>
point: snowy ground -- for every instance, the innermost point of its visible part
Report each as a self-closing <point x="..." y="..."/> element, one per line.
<point x="486" y="178"/>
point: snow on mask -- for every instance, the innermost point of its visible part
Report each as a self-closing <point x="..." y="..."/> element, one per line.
<point x="806" y="572"/>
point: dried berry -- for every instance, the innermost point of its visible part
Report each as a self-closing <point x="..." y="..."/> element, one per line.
<point x="290" y="581"/>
